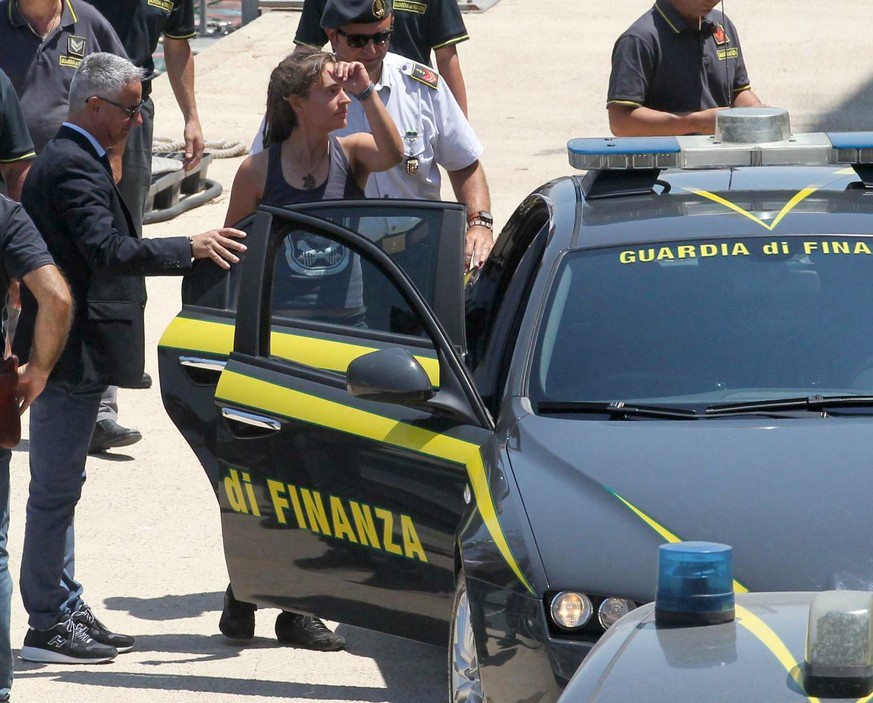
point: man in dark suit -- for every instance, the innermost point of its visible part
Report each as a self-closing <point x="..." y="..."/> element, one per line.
<point x="74" y="202"/>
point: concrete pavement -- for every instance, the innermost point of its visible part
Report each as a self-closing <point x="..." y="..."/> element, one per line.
<point x="149" y="547"/>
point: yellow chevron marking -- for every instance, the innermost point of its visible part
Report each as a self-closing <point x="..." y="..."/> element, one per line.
<point x="789" y="206"/>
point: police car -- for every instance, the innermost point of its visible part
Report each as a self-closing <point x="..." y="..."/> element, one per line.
<point x="699" y="637"/>
<point x="674" y="344"/>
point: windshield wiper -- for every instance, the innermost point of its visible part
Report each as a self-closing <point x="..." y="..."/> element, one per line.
<point x="810" y="402"/>
<point x="616" y="408"/>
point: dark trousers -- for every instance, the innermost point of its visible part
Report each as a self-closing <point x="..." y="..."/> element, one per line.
<point x="61" y="422"/>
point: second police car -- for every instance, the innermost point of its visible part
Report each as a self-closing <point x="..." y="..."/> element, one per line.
<point x="676" y="344"/>
<point x="699" y="638"/>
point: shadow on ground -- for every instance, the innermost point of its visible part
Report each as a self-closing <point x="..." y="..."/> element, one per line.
<point x="221" y="685"/>
<point x="411" y="671"/>
<point x="169" y="607"/>
<point x="855" y="113"/>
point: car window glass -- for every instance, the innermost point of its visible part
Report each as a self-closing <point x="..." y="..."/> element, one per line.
<point x="320" y="280"/>
<point x="210" y="286"/>
<point x="701" y="322"/>
<point x="426" y="239"/>
<point x="411" y="237"/>
<point x="488" y="294"/>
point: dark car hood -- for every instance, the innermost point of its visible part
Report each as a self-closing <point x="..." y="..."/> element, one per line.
<point x="794" y="498"/>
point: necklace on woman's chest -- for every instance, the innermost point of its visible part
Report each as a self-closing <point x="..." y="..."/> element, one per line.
<point x="307" y="174"/>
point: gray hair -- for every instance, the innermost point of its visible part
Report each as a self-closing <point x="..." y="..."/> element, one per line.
<point x="102" y="74"/>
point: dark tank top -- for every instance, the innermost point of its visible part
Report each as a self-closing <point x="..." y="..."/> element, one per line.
<point x="320" y="279"/>
<point x="339" y="185"/>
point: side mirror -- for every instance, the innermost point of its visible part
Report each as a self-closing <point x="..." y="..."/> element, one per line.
<point x="390" y="376"/>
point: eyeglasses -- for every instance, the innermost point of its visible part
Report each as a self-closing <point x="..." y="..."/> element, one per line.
<point x="359" y="41"/>
<point x="130" y="111"/>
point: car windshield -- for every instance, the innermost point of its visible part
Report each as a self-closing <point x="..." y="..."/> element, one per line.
<point x="701" y="323"/>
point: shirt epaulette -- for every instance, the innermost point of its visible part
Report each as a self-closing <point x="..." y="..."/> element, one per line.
<point x="421" y="73"/>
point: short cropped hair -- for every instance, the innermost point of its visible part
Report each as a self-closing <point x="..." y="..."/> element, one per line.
<point x="101" y="74"/>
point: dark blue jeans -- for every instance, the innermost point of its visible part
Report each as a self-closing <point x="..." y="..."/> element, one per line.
<point x="61" y="422"/>
<point x="5" y="579"/>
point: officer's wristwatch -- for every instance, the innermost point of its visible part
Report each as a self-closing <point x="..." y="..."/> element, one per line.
<point x="483" y="218"/>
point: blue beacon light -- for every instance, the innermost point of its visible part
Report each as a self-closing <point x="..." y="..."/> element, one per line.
<point x="695" y="584"/>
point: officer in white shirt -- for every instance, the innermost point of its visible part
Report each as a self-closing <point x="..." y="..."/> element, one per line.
<point x="432" y="125"/>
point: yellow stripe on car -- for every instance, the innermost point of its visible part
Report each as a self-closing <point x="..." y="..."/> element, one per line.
<point x="244" y="390"/>
<point x="665" y="534"/>
<point x="206" y="336"/>
<point x="212" y="337"/>
<point x="771" y="640"/>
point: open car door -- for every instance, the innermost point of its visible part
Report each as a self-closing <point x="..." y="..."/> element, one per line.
<point x="338" y="438"/>
<point x="424" y="238"/>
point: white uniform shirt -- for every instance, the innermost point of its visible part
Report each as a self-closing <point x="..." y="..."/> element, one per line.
<point x="432" y="125"/>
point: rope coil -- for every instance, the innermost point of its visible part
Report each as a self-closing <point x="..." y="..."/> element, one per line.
<point x="220" y="149"/>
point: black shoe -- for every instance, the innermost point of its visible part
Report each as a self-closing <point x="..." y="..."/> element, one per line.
<point x="145" y="381"/>
<point x="307" y="631"/>
<point x="68" y="642"/>
<point x="108" y="434"/>
<point x="237" y="618"/>
<point x="99" y="632"/>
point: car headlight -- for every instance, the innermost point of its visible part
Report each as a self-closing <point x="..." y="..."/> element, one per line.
<point x="611" y="609"/>
<point x="571" y="610"/>
<point x="572" y="613"/>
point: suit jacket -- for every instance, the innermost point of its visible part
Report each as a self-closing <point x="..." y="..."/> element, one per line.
<point x="72" y="199"/>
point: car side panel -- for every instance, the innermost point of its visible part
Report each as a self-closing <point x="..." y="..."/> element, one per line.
<point x="353" y="505"/>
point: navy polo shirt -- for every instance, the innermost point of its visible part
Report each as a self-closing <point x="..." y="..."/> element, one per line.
<point x="22" y="248"/>
<point x="41" y="70"/>
<point x="662" y="63"/>
<point x="15" y="143"/>
<point x="419" y="26"/>
<point x="140" y="24"/>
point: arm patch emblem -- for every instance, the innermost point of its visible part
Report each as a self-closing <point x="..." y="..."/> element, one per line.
<point x="423" y="74"/>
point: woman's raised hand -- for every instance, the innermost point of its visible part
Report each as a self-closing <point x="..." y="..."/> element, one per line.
<point x="351" y="75"/>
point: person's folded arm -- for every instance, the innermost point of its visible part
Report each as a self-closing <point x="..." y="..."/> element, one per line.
<point x="746" y="98"/>
<point x="638" y="121"/>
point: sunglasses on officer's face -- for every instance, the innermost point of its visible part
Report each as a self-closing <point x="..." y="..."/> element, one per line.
<point x="359" y="41"/>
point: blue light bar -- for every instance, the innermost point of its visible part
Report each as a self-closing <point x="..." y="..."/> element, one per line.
<point x="624" y="154"/>
<point x="851" y="140"/>
<point x="744" y="137"/>
<point x="624" y="145"/>
<point x="695" y="584"/>
<point x="852" y="147"/>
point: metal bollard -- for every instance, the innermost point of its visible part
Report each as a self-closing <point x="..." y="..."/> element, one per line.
<point x="249" y="11"/>
<point x="202" y="29"/>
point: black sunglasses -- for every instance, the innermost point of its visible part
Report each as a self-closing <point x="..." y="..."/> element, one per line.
<point x="131" y="112"/>
<point x="359" y="41"/>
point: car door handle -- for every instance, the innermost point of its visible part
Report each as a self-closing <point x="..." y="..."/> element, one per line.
<point x="196" y="362"/>
<point x="247" y="418"/>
